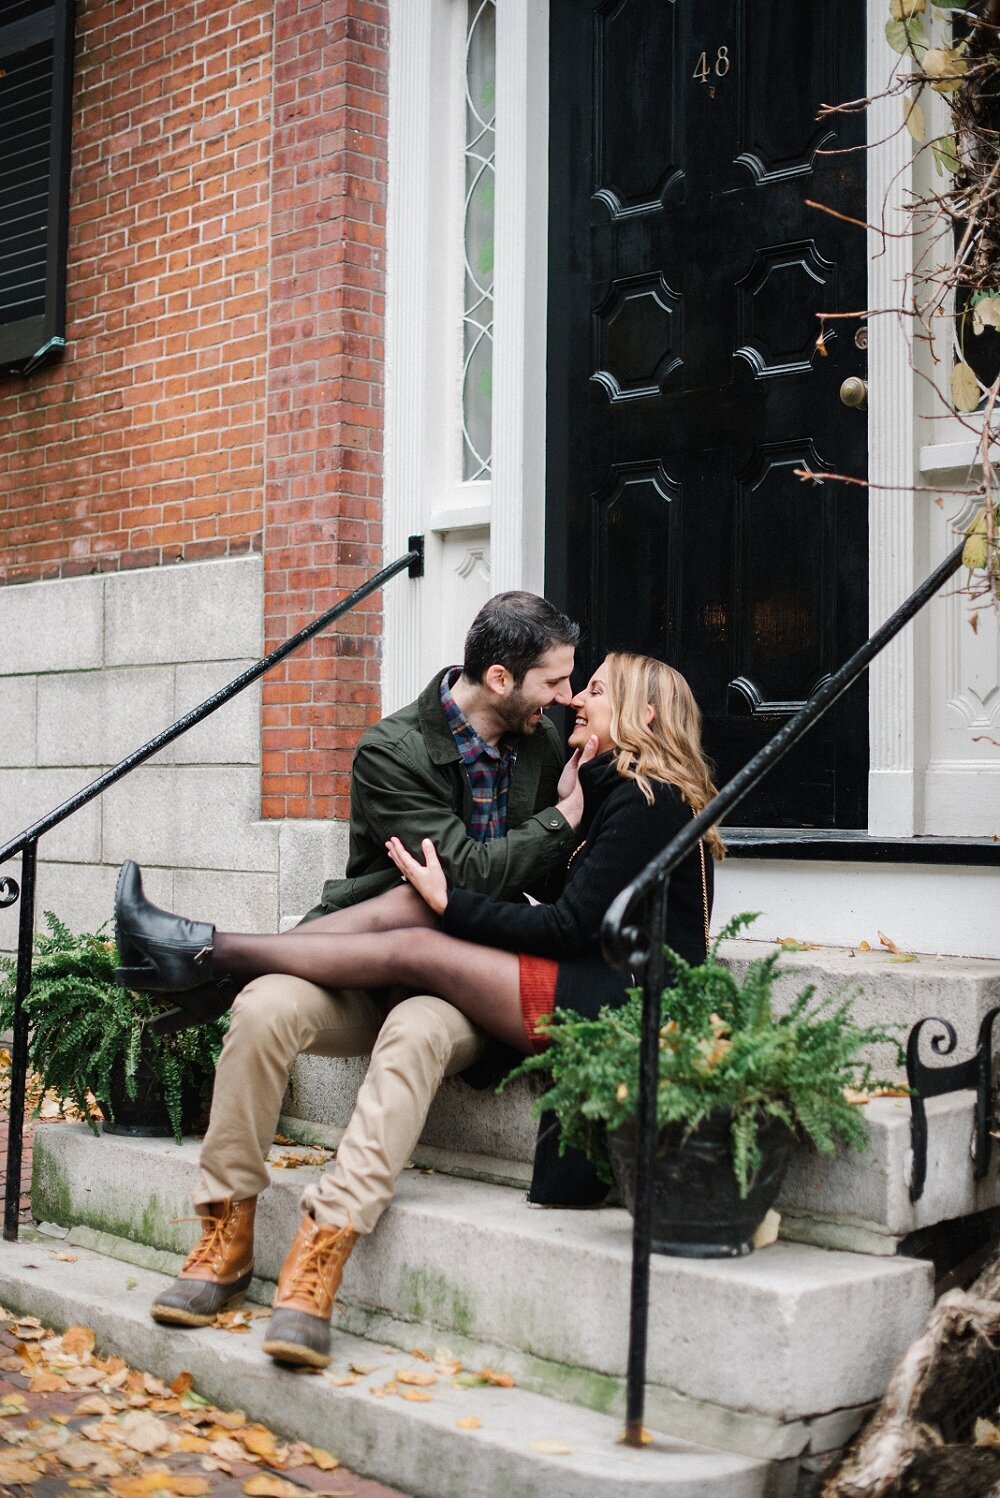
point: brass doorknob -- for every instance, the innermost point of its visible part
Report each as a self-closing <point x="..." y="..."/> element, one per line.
<point x="854" y="391"/>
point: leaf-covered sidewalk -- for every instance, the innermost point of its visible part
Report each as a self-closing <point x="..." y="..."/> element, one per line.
<point x="74" y="1422"/>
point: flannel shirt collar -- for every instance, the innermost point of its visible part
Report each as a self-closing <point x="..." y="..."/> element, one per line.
<point x="467" y="741"/>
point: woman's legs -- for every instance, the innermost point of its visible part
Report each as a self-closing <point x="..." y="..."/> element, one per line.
<point x="482" y="982"/>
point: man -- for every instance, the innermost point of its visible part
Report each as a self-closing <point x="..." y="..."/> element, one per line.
<point x="474" y="765"/>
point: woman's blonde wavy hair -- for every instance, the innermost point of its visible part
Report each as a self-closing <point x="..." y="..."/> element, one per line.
<point x="667" y="748"/>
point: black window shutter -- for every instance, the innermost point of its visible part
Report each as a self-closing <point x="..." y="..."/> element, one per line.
<point x="36" y="95"/>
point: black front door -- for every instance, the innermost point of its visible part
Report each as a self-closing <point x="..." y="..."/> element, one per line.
<point x="686" y="378"/>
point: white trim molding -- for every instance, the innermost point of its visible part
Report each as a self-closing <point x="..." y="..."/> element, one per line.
<point x="499" y="523"/>
<point x="894" y="782"/>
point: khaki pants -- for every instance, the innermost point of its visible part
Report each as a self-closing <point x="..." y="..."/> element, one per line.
<point x="419" y="1042"/>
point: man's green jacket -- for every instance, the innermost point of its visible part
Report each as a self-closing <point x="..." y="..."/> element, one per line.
<point x="408" y="780"/>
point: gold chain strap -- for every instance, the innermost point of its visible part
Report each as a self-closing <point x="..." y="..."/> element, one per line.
<point x="704" y="888"/>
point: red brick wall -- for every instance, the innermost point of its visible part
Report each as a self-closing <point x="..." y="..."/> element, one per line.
<point x="222" y="389"/>
<point x="145" y="444"/>
<point x="322" y="513"/>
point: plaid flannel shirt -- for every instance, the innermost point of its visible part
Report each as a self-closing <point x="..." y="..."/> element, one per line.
<point x="488" y="766"/>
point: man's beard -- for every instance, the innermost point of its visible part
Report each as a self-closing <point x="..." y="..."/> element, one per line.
<point x="517" y="714"/>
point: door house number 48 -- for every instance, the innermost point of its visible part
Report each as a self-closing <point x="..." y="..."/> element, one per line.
<point x="705" y="69"/>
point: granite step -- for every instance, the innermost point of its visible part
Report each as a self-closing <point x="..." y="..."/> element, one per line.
<point x="525" y="1445"/>
<point x="860" y="1200"/>
<point x="772" y="1355"/>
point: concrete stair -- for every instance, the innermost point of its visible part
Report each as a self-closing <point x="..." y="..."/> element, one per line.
<point x="857" y="1201"/>
<point x="773" y="1356"/>
<point x="526" y="1445"/>
<point x="757" y="1368"/>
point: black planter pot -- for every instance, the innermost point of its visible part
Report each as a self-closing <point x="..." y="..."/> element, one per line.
<point x="698" y="1212"/>
<point x="145" y="1116"/>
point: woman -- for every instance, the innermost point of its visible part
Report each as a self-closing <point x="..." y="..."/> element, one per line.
<point x="503" y="965"/>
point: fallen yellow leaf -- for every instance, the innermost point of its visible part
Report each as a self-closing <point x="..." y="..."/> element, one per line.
<point x="499" y="1380"/>
<point x="84" y="1376"/>
<point x="887" y="942"/>
<point x="229" y="1419"/>
<point x="15" y="1469"/>
<point x="46" y="1383"/>
<point x="323" y="1459"/>
<point x="159" y="1480"/>
<point x="93" y="1404"/>
<point x="258" y="1439"/>
<point x="266" y="1486"/>
<point x="190" y="1442"/>
<point x="228" y="1450"/>
<point x="469" y="1422"/>
<point x="416" y="1396"/>
<point x="78" y="1341"/>
<point x="182" y="1383"/>
<point x="410" y="1376"/>
<point x="552" y="1448"/>
<point x="140" y="1431"/>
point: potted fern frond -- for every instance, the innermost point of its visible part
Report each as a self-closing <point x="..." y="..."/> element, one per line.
<point x="87" y="1038"/>
<point x="738" y="1085"/>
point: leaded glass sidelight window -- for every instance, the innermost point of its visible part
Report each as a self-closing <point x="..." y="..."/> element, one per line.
<point x="477" y="316"/>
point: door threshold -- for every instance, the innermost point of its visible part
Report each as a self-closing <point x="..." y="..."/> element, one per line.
<point x="855" y="845"/>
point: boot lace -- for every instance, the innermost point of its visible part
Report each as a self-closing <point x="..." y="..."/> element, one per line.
<point x="317" y="1269"/>
<point x="212" y="1243"/>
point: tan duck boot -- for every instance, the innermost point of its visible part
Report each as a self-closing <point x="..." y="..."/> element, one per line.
<point x="217" y="1271"/>
<point x="299" y="1329"/>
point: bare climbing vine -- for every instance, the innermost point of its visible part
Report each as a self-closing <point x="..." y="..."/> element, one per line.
<point x="952" y="49"/>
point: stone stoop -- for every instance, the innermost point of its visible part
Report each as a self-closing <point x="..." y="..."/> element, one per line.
<point x="525" y="1445"/>
<point x="854" y="1201"/>
<point x="775" y="1356"/>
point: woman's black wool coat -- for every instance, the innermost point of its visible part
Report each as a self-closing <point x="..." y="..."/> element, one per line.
<point x="620" y="832"/>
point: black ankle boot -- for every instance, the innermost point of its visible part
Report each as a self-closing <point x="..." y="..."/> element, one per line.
<point x="159" y="952"/>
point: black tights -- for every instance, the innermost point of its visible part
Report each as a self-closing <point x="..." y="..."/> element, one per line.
<point x="392" y="940"/>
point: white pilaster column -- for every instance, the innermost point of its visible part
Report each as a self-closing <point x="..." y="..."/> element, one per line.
<point x="894" y="781"/>
<point x="520" y="295"/>
<point x="408" y="280"/>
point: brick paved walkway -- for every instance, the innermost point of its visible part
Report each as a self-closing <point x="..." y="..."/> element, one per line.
<point x="53" y="1414"/>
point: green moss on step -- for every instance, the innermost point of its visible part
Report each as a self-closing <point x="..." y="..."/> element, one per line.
<point x="53" y="1200"/>
<point x="430" y="1297"/>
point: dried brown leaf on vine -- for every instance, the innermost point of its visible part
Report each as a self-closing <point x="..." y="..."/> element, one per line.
<point x="965" y="392"/>
<point x="913" y="119"/>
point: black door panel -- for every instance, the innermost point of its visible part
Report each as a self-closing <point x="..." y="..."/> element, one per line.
<point x="685" y="381"/>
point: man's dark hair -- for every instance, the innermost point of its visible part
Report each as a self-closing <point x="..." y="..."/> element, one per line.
<point x="514" y="630"/>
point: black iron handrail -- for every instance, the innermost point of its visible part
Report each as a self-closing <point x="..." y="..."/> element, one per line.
<point x="633" y="936"/>
<point x="26" y="843"/>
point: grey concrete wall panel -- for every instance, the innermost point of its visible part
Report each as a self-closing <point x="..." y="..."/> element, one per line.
<point x="96" y="718"/>
<point x="190" y="612"/>
<point x="190" y="817"/>
<point x="18" y="716"/>
<point x="52" y="626"/>
<point x="230" y="735"/>
<point x="309" y="853"/>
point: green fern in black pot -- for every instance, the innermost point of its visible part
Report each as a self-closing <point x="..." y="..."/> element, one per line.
<point x="87" y="1035"/>
<point x="738" y="1084"/>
